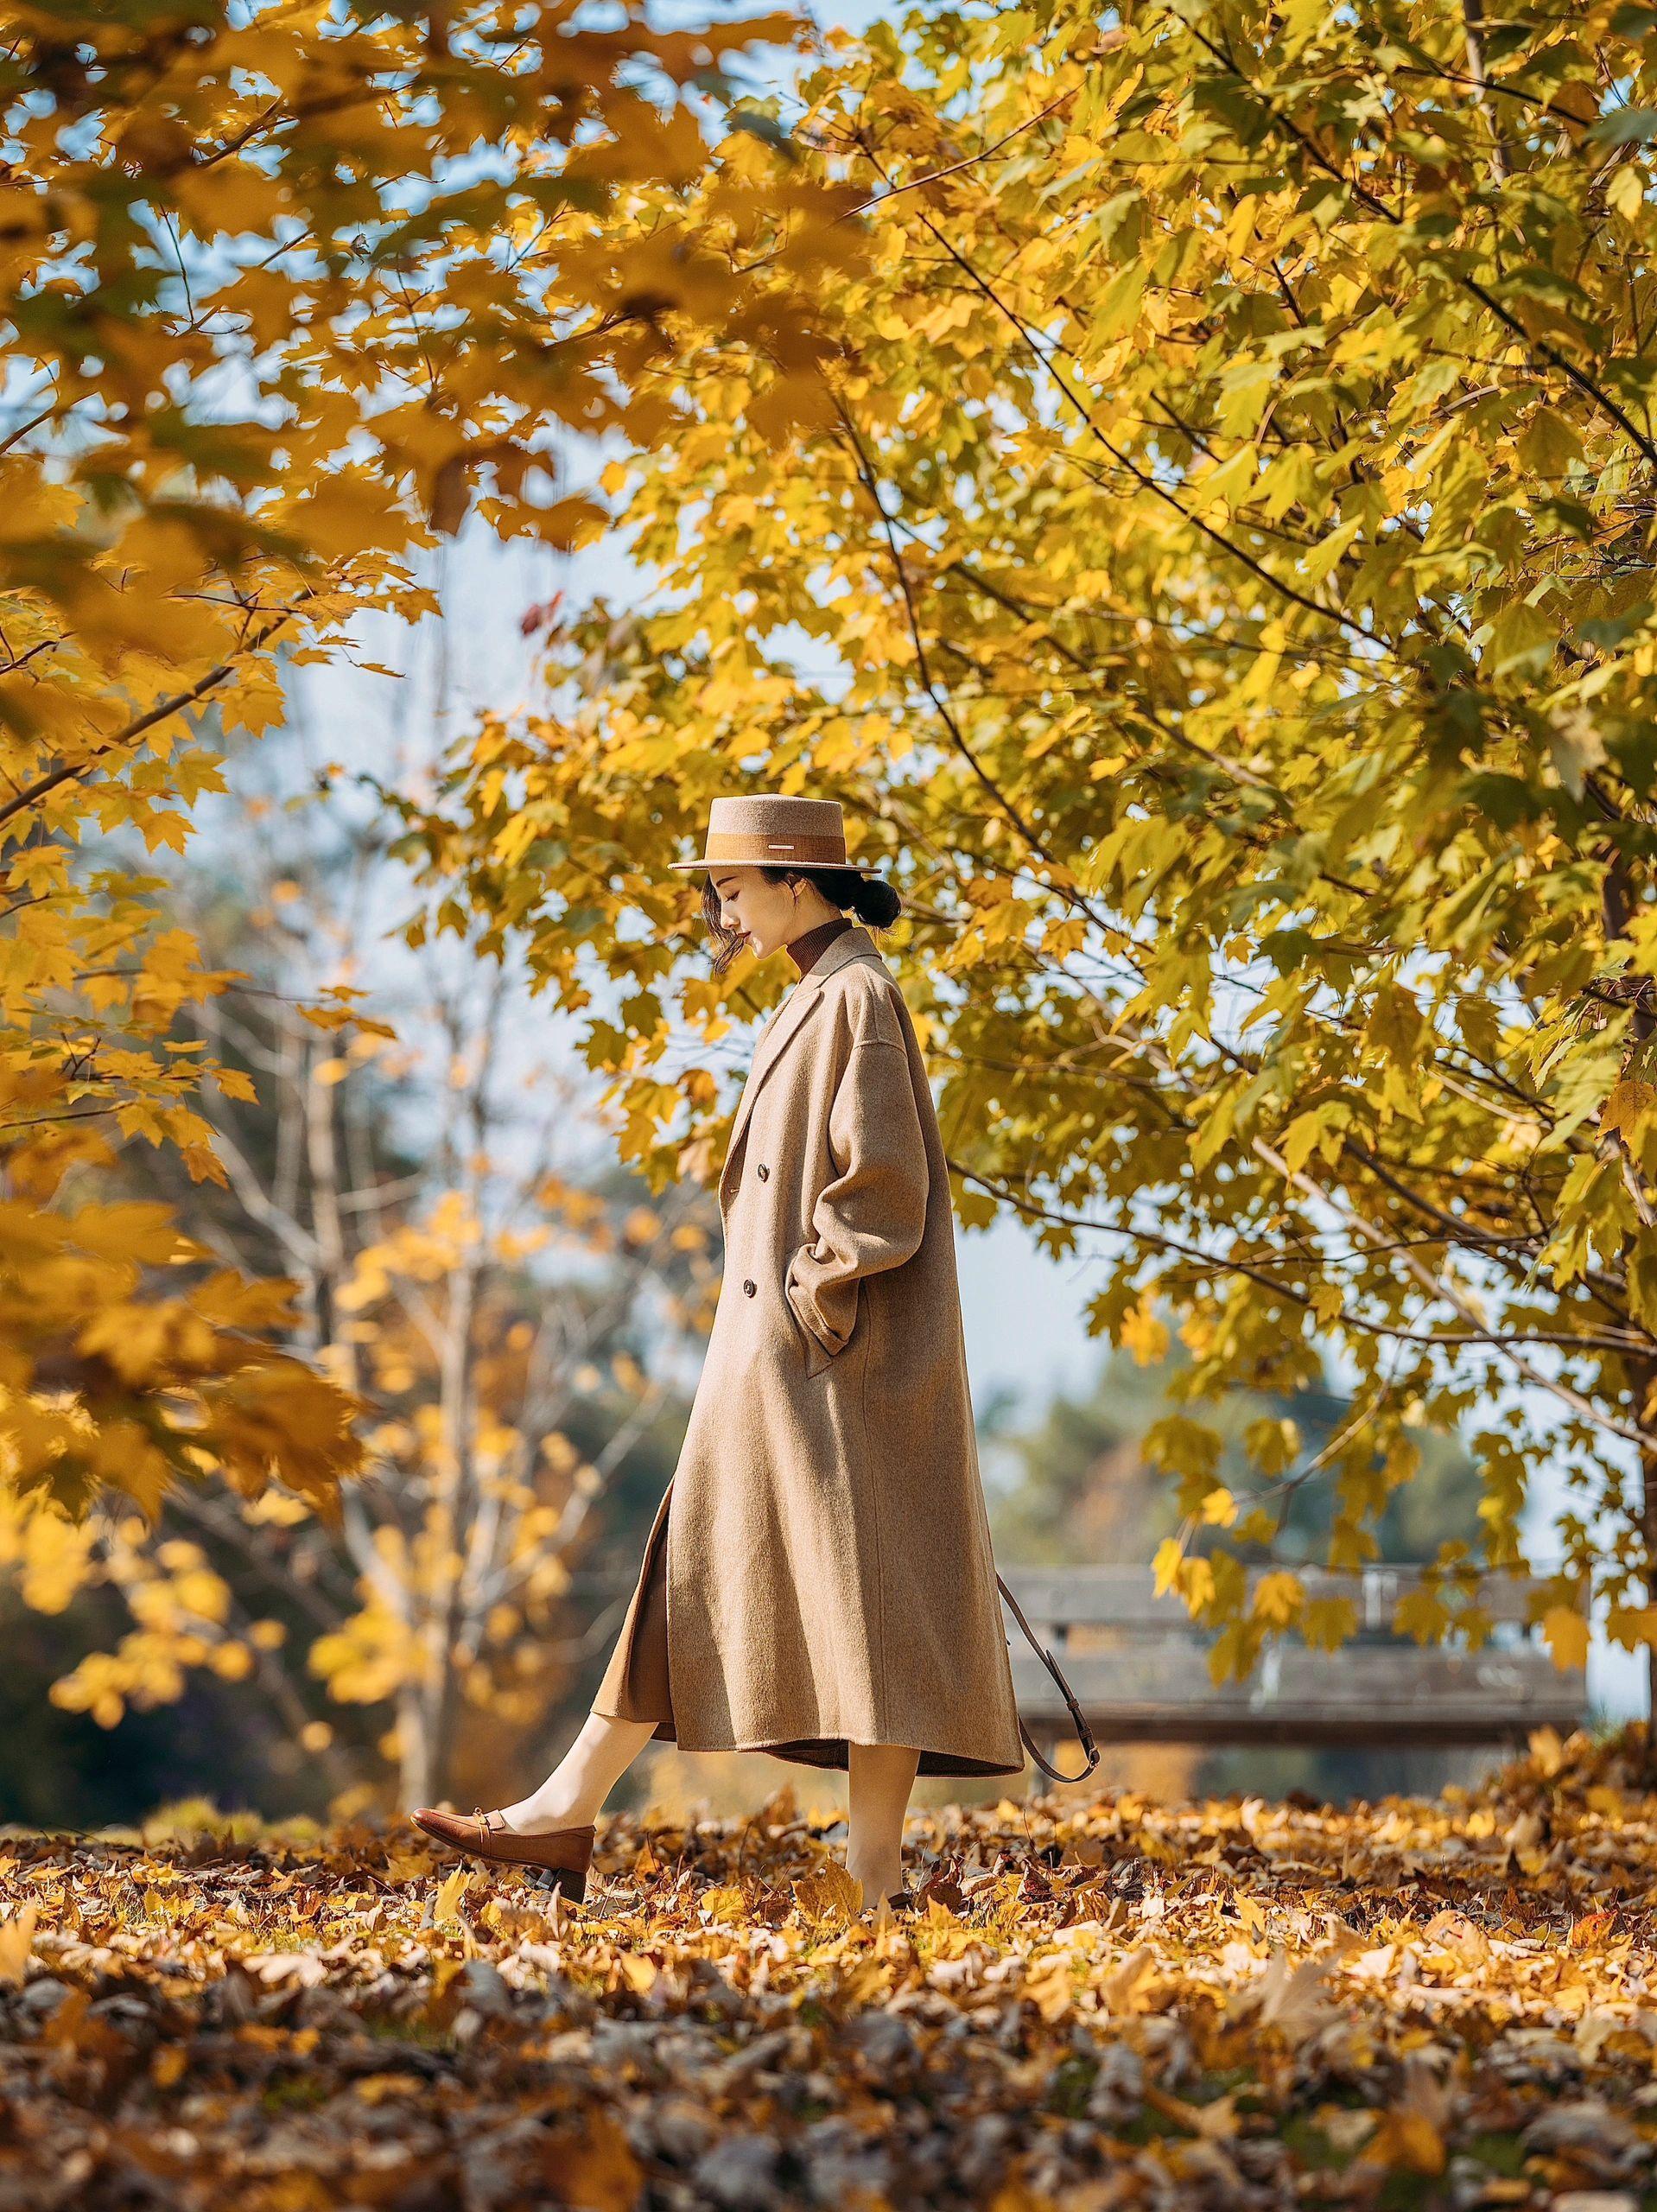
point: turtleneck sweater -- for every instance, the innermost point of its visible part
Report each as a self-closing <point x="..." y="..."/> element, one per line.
<point x="805" y="949"/>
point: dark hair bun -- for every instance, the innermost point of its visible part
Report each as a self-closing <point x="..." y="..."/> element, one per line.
<point x="876" y="903"/>
<point x="869" y="897"/>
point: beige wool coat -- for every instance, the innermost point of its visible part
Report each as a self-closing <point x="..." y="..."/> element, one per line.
<point x="829" y="1579"/>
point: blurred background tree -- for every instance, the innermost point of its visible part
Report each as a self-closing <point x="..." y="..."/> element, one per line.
<point x="471" y="1264"/>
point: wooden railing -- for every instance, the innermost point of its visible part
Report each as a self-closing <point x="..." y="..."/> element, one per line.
<point x="1140" y="1669"/>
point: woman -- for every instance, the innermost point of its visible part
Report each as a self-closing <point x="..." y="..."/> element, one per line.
<point x="823" y="1587"/>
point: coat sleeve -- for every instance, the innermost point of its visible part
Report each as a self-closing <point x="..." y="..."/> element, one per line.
<point x="871" y="1214"/>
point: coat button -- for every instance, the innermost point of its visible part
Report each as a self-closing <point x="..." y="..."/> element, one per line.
<point x="762" y="1171"/>
<point x="748" y="1288"/>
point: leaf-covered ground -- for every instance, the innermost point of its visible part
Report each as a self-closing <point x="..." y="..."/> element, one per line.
<point x="1233" y="2004"/>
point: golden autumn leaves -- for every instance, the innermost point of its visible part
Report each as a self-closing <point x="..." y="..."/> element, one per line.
<point x="1100" y="2006"/>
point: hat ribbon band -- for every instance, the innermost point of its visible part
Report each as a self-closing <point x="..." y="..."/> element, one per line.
<point x="752" y="848"/>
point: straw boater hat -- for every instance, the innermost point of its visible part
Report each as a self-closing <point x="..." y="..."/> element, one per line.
<point x="773" y="831"/>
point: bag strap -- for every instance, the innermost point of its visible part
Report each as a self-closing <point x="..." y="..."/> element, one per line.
<point x="1084" y="1734"/>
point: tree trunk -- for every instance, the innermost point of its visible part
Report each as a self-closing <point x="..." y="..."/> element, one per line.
<point x="416" y="1781"/>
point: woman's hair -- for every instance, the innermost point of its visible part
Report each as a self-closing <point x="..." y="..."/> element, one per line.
<point x="873" y="899"/>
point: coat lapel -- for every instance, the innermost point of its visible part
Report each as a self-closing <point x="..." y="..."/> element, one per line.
<point x="789" y="1018"/>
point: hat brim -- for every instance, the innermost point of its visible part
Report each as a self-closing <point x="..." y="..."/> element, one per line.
<point x="836" y="868"/>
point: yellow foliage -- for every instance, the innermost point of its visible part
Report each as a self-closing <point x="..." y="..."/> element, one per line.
<point x="1566" y="1633"/>
<point x="369" y="1656"/>
<point x="1278" y="1599"/>
<point x="253" y="449"/>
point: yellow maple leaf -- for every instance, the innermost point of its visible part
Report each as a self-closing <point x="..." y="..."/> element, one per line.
<point x="1566" y="1633"/>
<point x="449" y="1894"/>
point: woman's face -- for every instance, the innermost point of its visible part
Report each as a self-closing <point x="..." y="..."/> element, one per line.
<point x="767" y="914"/>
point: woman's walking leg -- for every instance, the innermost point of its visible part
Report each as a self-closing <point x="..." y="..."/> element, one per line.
<point x="882" y="1776"/>
<point x="573" y="1794"/>
<point x="636" y="1698"/>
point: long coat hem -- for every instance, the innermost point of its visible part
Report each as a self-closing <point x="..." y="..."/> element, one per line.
<point x="830" y="1752"/>
<point x="623" y="1702"/>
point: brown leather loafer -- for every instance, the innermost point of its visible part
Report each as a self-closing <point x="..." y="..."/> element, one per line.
<point x="557" y="1861"/>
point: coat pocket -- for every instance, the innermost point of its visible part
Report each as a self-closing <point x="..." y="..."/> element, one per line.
<point x="818" y="1352"/>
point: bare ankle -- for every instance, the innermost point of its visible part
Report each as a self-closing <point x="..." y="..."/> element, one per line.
<point x="879" y="1881"/>
<point x="537" y="1816"/>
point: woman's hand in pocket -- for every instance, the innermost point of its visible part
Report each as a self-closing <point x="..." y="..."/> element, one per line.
<point x="823" y="1340"/>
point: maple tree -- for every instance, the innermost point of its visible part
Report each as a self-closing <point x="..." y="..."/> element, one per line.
<point x="285" y="291"/>
<point x="1103" y="2003"/>
<point x="1217" y="583"/>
